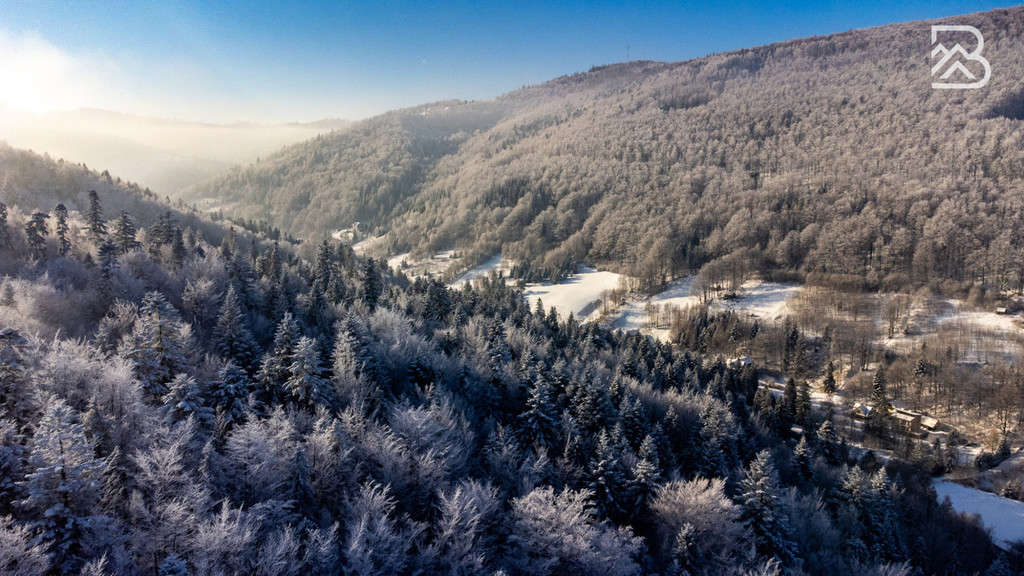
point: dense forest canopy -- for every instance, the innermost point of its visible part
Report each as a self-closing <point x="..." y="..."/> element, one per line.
<point x="170" y="405"/>
<point x="822" y="155"/>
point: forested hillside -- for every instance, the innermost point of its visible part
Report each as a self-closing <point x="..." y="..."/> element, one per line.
<point x="828" y="154"/>
<point x="171" y="406"/>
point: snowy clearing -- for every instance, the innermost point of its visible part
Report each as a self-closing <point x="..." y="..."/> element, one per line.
<point x="766" y="300"/>
<point x="1005" y="517"/>
<point x="633" y="315"/>
<point x="579" y="294"/>
<point x="494" y="263"/>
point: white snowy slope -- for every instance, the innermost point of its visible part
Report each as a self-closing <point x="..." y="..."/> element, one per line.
<point x="1005" y="517"/>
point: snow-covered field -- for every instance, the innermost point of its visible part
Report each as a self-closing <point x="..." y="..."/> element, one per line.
<point x="579" y="294"/>
<point x="432" y="267"/>
<point x="763" y="300"/>
<point x="986" y="335"/>
<point x="584" y="293"/>
<point x="633" y="314"/>
<point x="495" y="263"/>
<point x="1004" y="516"/>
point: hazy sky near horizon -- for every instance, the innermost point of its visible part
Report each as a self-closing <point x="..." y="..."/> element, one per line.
<point x="272" y="61"/>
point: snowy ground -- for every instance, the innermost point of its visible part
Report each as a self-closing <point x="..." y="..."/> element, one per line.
<point x="363" y="246"/>
<point x="433" y="267"/>
<point x="495" y="263"/>
<point x="987" y="336"/>
<point x="633" y="314"/>
<point x="581" y="294"/>
<point x="1005" y="517"/>
<point x="584" y="294"/>
<point x="763" y="300"/>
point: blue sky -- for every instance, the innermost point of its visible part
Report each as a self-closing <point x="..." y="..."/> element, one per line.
<point x="297" y="61"/>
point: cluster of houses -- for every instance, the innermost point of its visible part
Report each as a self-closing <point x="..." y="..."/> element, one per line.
<point x="905" y="422"/>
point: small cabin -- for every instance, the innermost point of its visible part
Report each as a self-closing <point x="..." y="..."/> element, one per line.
<point x="1001" y="310"/>
<point x="861" y="412"/>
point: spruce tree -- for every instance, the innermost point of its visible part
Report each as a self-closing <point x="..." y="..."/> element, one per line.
<point x="802" y="412"/>
<point x="829" y="384"/>
<point x="828" y="442"/>
<point x="62" y="492"/>
<point x="539" y="423"/>
<point x="5" y="234"/>
<point x="184" y="399"/>
<point x="94" y="219"/>
<point x="372" y="284"/>
<point x="646" y="476"/>
<point x="787" y="412"/>
<point x="157" y="345"/>
<point x="231" y="393"/>
<point x="302" y="502"/>
<point x="606" y="479"/>
<point x="15" y="395"/>
<point x="802" y="459"/>
<point x="35" y="233"/>
<point x="306" y="384"/>
<point x="880" y="520"/>
<point x="60" y="213"/>
<point x="759" y="498"/>
<point x="231" y="335"/>
<point x="124" y="233"/>
<point x="277" y="362"/>
<point x="878" y="389"/>
<point x="107" y="257"/>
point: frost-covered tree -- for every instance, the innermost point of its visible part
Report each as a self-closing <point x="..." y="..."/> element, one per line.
<point x="107" y="256"/>
<point x="829" y="384"/>
<point x="276" y="367"/>
<point x="12" y="453"/>
<point x="157" y="345"/>
<point x="60" y="214"/>
<point x="306" y="383"/>
<point x="20" y="555"/>
<point x="539" y="422"/>
<point x="15" y="392"/>
<point x="232" y="336"/>
<point x="760" y="498"/>
<point x="803" y="403"/>
<point x="372" y="284"/>
<point x="63" y="488"/>
<point x="802" y="459"/>
<point x="94" y="219"/>
<point x="35" y="234"/>
<point x="465" y="517"/>
<point x="560" y="534"/>
<point x="646" y="475"/>
<point x="698" y="528"/>
<point x="231" y="393"/>
<point x="5" y="234"/>
<point x="377" y="541"/>
<point x="123" y="233"/>
<point x="184" y="399"/>
<point x="828" y="442"/>
<point x="607" y="480"/>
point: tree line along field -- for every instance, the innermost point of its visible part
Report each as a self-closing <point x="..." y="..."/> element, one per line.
<point x="177" y="405"/>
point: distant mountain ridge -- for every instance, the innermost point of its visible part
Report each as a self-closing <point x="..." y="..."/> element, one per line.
<point x="829" y="154"/>
<point x="165" y="155"/>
